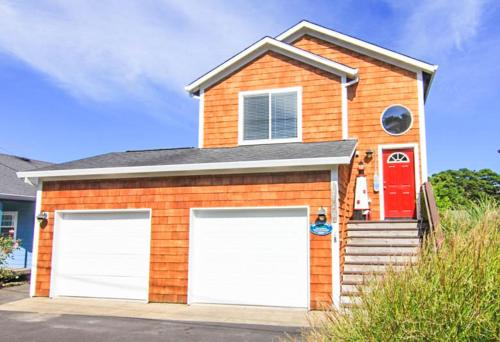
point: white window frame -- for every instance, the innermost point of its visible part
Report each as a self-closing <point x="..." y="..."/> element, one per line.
<point x="397" y="105"/>
<point x="241" y="96"/>
<point x="14" y="220"/>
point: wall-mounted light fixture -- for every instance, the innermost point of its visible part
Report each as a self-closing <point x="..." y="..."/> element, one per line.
<point x="321" y="219"/>
<point x="369" y="154"/>
<point x="42" y="218"/>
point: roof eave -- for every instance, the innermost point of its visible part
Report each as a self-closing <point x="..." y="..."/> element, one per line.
<point x="264" y="45"/>
<point x="389" y="56"/>
<point x="189" y="169"/>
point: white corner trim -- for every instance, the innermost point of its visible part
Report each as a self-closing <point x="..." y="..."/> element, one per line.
<point x="261" y="47"/>
<point x="241" y="96"/>
<point x="187" y="169"/>
<point x="358" y="45"/>
<point x="334" y="188"/>
<point x="380" y="157"/>
<point x="421" y="125"/>
<point x="345" y="123"/>
<point x="201" y="119"/>
<point x="36" y="239"/>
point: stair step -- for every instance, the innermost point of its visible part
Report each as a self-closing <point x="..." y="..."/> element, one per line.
<point x="357" y="279"/>
<point x="363" y="250"/>
<point x="380" y="259"/>
<point x="349" y="290"/>
<point x="383" y="225"/>
<point x="382" y="242"/>
<point x="369" y="269"/>
<point x="350" y="300"/>
<point x="407" y="233"/>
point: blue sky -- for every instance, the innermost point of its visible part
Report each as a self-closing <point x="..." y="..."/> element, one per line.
<point x="80" y="78"/>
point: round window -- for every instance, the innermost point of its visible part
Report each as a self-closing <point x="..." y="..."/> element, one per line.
<point x="396" y="120"/>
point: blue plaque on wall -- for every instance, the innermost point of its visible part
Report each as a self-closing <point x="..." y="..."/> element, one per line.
<point x="321" y="229"/>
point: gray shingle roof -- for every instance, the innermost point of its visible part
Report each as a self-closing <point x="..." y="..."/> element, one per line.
<point x="10" y="185"/>
<point x="177" y="156"/>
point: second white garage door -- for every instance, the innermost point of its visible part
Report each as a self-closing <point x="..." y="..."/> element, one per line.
<point x="249" y="257"/>
<point x="102" y="254"/>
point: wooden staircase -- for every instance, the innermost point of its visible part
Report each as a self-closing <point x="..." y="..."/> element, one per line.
<point x="371" y="247"/>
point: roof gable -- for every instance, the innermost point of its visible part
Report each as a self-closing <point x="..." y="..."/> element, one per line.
<point x="259" y="48"/>
<point x="355" y="44"/>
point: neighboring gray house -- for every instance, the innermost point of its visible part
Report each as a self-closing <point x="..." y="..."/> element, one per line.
<point x="17" y="206"/>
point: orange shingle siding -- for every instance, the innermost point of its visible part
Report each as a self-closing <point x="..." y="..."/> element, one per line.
<point x="380" y="86"/>
<point x="170" y="200"/>
<point x="321" y="99"/>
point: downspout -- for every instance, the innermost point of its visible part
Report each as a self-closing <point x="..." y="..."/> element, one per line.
<point x="345" y="119"/>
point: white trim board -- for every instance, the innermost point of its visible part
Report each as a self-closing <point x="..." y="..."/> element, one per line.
<point x="421" y="125"/>
<point x="262" y="46"/>
<point x="189" y="169"/>
<point x="354" y="44"/>
<point x="36" y="239"/>
<point x="241" y="121"/>
<point x="335" y="236"/>
<point x="380" y="149"/>
<point x="201" y="119"/>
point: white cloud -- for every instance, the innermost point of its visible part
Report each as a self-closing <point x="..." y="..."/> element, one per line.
<point x="105" y="50"/>
<point x="436" y="28"/>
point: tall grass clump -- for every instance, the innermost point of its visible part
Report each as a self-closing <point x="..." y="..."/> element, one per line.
<point x="451" y="294"/>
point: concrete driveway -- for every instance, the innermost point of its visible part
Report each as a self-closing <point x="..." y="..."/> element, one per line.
<point x="41" y="319"/>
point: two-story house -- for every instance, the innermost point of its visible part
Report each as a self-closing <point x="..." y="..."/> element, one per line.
<point x="284" y="128"/>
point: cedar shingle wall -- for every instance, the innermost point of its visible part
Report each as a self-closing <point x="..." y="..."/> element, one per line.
<point x="321" y="101"/>
<point x="380" y="86"/>
<point x="170" y="200"/>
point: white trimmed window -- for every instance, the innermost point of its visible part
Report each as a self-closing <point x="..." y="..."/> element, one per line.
<point x="8" y="224"/>
<point x="270" y="116"/>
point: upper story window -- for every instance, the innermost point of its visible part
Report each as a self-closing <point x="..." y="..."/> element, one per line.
<point x="8" y="224"/>
<point x="270" y="116"/>
<point x="396" y="120"/>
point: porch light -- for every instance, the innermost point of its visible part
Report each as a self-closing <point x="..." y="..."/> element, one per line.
<point x="369" y="154"/>
<point x="42" y="218"/>
<point x="321" y="215"/>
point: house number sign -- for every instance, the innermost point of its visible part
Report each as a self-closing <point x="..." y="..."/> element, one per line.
<point x="321" y="229"/>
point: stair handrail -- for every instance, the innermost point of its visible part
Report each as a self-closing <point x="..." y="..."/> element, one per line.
<point x="429" y="209"/>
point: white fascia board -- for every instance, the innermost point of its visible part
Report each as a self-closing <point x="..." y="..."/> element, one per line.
<point x="261" y="47"/>
<point x="16" y="197"/>
<point x="187" y="169"/>
<point x="355" y="44"/>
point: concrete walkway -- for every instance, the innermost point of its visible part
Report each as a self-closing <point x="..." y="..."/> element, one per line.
<point x="173" y="312"/>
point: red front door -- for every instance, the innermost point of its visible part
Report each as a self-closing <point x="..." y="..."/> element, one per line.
<point x="399" y="184"/>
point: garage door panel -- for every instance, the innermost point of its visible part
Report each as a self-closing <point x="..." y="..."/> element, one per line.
<point x="102" y="254"/>
<point x="113" y="266"/>
<point x="103" y="287"/>
<point x="252" y="257"/>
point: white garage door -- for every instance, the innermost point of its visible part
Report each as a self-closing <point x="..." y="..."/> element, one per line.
<point x="249" y="257"/>
<point x="102" y="254"/>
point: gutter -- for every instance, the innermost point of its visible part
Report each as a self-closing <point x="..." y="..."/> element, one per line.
<point x="187" y="169"/>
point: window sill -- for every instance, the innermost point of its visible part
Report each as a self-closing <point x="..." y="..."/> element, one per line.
<point x="269" y="141"/>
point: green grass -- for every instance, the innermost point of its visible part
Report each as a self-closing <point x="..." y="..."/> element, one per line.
<point x="451" y="294"/>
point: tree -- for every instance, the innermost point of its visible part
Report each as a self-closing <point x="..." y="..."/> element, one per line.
<point x="458" y="188"/>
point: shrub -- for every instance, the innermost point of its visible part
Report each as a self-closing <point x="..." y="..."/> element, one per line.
<point x="451" y="294"/>
<point x="7" y="246"/>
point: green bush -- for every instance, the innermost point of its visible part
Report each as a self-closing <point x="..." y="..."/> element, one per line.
<point x="451" y="294"/>
<point x="7" y="246"/>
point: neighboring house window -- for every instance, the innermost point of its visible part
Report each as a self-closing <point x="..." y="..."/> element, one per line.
<point x="396" y="119"/>
<point x="8" y="225"/>
<point x="270" y="116"/>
